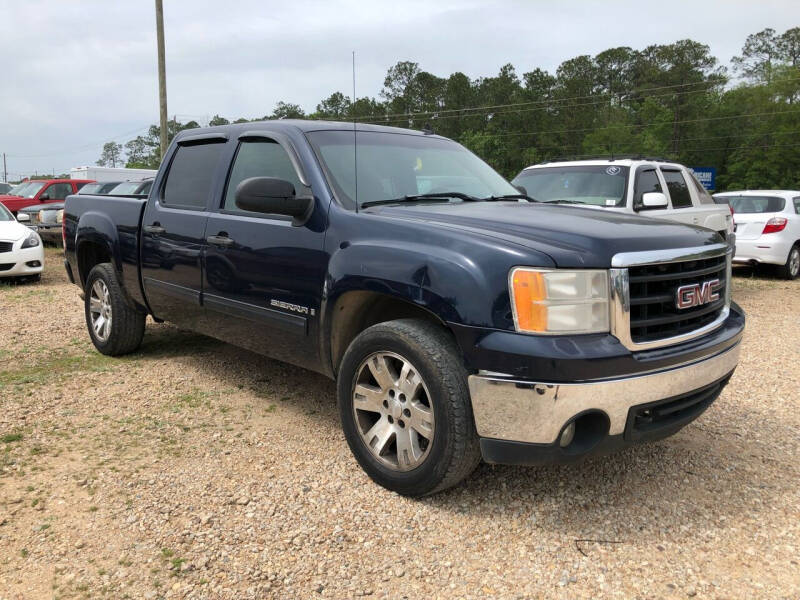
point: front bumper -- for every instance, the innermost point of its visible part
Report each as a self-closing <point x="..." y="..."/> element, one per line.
<point x="22" y="262"/>
<point x="766" y="249"/>
<point x="538" y="412"/>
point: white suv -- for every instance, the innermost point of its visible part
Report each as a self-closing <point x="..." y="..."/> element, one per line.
<point x="649" y="187"/>
<point x="767" y="228"/>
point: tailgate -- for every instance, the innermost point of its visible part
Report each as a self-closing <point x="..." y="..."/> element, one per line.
<point x="750" y="225"/>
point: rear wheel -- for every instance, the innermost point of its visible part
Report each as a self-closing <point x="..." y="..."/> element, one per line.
<point x="792" y="267"/>
<point x="115" y="327"/>
<point x="405" y="407"/>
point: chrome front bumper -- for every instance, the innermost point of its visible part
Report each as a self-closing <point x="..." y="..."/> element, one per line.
<point x="537" y="412"/>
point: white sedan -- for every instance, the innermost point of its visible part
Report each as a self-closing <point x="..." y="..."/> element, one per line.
<point x="21" y="251"/>
<point x="767" y="228"/>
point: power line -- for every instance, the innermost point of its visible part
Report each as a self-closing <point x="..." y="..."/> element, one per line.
<point x="633" y="125"/>
<point x="88" y="146"/>
<point x="607" y="95"/>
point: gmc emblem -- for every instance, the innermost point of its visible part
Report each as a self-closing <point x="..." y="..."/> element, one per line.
<point x="695" y="294"/>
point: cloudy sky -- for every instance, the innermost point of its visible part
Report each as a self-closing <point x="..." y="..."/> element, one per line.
<point x="77" y="73"/>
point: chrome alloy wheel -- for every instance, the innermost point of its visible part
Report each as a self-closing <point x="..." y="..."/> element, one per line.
<point x="794" y="262"/>
<point x="100" y="310"/>
<point x="393" y="411"/>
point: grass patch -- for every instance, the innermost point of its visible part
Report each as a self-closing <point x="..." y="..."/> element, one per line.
<point x="8" y="438"/>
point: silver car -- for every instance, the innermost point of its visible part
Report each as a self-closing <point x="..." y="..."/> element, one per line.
<point x="767" y="228"/>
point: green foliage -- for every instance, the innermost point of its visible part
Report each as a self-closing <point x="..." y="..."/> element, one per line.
<point x="671" y="100"/>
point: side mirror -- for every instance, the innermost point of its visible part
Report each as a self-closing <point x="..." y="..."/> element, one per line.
<point x="653" y="200"/>
<point x="23" y="217"/>
<point x="273" y="196"/>
<point x="44" y="197"/>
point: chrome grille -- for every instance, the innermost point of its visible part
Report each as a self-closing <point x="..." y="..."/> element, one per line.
<point x="644" y="288"/>
<point x="653" y="293"/>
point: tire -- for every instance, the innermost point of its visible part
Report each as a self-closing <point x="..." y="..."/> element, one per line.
<point x="791" y="269"/>
<point x="446" y="448"/>
<point x="122" y="328"/>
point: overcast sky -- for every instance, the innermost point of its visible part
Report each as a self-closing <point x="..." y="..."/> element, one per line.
<point x="77" y="73"/>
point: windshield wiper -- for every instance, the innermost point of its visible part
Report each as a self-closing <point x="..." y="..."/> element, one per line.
<point x="564" y="202"/>
<point x="417" y="197"/>
<point x="510" y="197"/>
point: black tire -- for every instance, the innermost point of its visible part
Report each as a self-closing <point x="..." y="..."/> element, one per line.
<point x="791" y="269"/>
<point x="454" y="451"/>
<point x="127" y="325"/>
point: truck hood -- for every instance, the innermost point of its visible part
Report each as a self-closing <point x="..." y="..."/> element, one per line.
<point x="572" y="236"/>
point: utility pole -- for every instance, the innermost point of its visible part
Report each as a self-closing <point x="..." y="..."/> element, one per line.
<point x="162" y="75"/>
<point x="5" y="172"/>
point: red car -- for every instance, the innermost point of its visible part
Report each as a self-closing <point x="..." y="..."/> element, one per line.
<point x="41" y="191"/>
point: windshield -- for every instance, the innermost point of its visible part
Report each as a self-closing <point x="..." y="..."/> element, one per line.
<point x="394" y="165"/>
<point x="17" y="189"/>
<point x="31" y="190"/>
<point x="756" y="204"/>
<point x="596" y="185"/>
<point x="126" y="188"/>
<point x="5" y="215"/>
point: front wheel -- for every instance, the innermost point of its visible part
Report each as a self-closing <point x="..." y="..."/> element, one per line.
<point x="115" y="327"/>
<point x="792" y="267"/>
<point x="405" y="407"/>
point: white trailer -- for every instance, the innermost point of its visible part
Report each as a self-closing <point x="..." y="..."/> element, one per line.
<point x="111" y="174"/>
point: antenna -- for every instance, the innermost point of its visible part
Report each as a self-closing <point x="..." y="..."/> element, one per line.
<point x="355" y="135"/>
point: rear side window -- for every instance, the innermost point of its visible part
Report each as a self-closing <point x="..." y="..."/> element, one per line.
<point x="797" y="205"/>
<point x="191" y="175"/>
<point x="646" y="181"/>
<point x="702" y="192"/>
<point x="678" y="189"/>
<point x="261" y="158"/>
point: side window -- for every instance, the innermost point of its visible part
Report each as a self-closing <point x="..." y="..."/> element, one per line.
<point x="58" y="191"/>
<point x="646" y="181"/>
<point x="261" y="158"/>
<point x="678" y="189"/>
<point x="702" y="192"/>
<point x="797" y="205"/>
<point x="78" y="186"/>
<point x="190" y="175"/>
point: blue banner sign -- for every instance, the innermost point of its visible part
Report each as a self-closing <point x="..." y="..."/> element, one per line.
<point x="705" y="175"/>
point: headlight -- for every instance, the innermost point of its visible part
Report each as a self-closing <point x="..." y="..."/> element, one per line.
<point x="559" y="301"/>
<point x="60" y="216"/>
<point x="31" y="241"/>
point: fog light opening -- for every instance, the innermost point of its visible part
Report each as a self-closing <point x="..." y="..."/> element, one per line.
<point x="33" y="263"/>
<point x="584" y="432"/>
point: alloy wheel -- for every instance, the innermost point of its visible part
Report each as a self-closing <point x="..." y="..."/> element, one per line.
<point x="393" y="411"/>
<point x="100" y="310"/>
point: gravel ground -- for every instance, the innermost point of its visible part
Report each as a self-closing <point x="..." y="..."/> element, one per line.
<point x="196" y="470"/>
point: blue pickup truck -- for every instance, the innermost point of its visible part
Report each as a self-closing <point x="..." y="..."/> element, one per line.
<point x="461" y="319"/>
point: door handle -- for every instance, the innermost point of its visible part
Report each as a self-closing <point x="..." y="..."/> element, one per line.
<point x="220" y="240"/>
<point x="155" y="229"/>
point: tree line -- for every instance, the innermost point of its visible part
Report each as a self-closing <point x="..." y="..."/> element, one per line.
<point x="670" y="100"/>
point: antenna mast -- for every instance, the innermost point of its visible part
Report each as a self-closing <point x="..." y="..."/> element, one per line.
<point x="355" y="135"/>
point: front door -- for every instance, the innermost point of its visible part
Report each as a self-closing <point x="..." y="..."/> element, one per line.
<point x="173" y="233"/>
<point x="263" y="276"/>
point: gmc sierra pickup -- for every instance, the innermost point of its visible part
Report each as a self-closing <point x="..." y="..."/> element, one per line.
<point x="461" y="319"/>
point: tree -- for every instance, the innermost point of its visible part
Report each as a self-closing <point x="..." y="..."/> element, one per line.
<point x="337" y="106"/>
<point x="286" y="110"/>
<point x="760" y="52"/>
<point x="217" y="120"/>
<point x="111" y="155"/>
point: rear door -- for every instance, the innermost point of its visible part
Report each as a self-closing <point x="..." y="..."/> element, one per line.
<point x="263" y="276"/>
<point x="173" y="230"/>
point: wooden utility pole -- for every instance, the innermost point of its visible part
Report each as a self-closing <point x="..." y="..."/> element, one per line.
<point x="5" y="172"/>
<point x="162" y="75"/>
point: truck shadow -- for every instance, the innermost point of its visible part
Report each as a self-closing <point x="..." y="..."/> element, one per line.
<point x="706" y="476"/>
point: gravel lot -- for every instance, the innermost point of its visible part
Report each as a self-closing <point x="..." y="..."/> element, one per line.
<point x="197" y="470"/>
